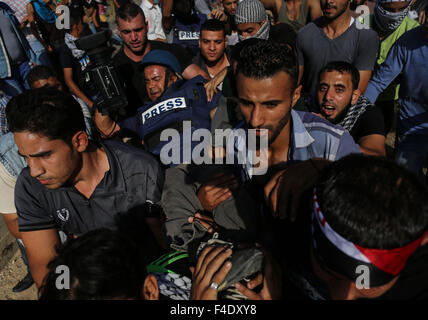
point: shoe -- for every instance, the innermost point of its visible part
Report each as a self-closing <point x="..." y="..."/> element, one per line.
<point x="24" y="284"/>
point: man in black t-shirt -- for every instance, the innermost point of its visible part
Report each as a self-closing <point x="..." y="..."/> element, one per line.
<point x="340" y="102"/>
<point x="74" y="63"/>
<point x="132" y="28"/>
<point x="76" y="185"/>
<point x="77" y="8"/>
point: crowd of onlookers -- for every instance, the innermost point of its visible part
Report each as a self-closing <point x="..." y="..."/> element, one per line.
<point x="247" y="159"/>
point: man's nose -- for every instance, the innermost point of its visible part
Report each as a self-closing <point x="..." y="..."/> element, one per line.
<point x="328" y="95"/>
<point x="36" y="169"/>
<point x="256" y="119"/>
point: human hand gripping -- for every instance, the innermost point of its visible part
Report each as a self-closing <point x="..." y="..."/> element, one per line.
<point x="210" y="271"/>
<point x="272" y="281"/>
<point x="211" y="86"/>
<point x="217" y="190"/>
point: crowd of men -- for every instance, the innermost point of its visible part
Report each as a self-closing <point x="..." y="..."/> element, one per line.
<point x="248" y="159"/>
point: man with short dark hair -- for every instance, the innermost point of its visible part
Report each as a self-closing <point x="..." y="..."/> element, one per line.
<point x="132" y="29"/>
<point x="291" y="135"/>
<point x="212" y="56"/>
<point x="267" y="90"/>
<point x="106" y="265"/>
<point x="360" y="232"/>
<point x="335" y="37"/>
<point x="340" y="102"/>
<point x="74" y="63"/>
<point x="73" y="184"/>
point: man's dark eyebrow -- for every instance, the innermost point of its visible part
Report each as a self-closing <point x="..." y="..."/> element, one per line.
<point x="272" y="102"/>
<point x="135" y="30"/>
<point x="340" y="85"/>
<point x="40" y="154"/>
<point x="245" y="101"/>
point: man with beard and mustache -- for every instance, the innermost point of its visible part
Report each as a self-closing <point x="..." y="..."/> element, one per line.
<point x="340" y="102"/>
<point x="201" y="199"/>
<point x="334" y="37"/>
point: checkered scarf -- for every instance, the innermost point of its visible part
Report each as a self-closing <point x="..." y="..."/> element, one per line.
<point x="69" y="41"/>
<point x="354" y="112"/>
<point x="173" y="285"/>
<point x="19" y="7"/>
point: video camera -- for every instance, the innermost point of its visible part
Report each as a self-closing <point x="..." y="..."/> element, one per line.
<point x="112" y="97"/>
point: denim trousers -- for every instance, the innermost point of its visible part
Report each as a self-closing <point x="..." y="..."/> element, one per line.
<point x="412" y="153"/>
<point x="16" y="83"/>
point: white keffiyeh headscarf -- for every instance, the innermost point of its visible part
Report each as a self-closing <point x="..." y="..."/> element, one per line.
<point x="389" y="21"/>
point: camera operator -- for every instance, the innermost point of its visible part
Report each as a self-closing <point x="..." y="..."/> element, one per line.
<point x="74" y="63"/>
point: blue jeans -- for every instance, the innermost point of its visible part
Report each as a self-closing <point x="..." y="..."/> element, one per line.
<point x="42" y="58"/>
<point x="16" y="83"/>
<point x="412" y="152"/>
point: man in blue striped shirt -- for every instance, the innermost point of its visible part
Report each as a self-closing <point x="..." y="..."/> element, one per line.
<point x="267" y="90"/>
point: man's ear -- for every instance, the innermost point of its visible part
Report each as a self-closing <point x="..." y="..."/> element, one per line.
<point x="296" y="95"/>
<point x="150" y="288"/>
<point x="80" y="141"/>
<point x="355" y="95"/>
<point x="172" y="78"/>
<point x="424" y="239"/>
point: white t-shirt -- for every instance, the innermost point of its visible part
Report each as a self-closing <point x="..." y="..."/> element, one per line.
<point x="153" y="15"/>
